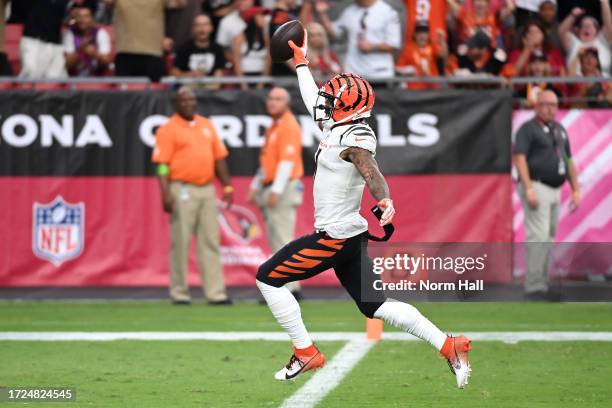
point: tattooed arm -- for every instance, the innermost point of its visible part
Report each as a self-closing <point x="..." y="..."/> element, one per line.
<point x="368" y="168"/>
<point x="365" y="163"/>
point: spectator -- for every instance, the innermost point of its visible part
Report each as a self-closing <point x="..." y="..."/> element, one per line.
<point x="591" y="94"/>
<point x="5" y="67"/>
<point x="277" y="188"/>
<point x="189" y="155"/>
<point x="76" y="5"/>
<point x="250" y="48"/>
<point x="139" y="34"/>
<point x="479" y="18"/>
<point x="432" y="12"/>
<point x="178" y="22"/>
<point x="231" y="25"/>
<point x="324" y="62"/>
<point x="88" y="47"/>
<point x="199" y="56"/>
<point x="373" y="32"/>
<point x="534" y="40"/>
<point x="477" y="56"/>
<point x="41" y="50"/>
<point x="543" y="159"/>
<point x="420" y="58"/>
<point x="547" y="19"/>
<point x="538" y="67"/>
<point x="588" y="34"/>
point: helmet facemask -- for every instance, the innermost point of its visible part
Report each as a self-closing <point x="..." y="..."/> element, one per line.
<point x="326" y="105"/>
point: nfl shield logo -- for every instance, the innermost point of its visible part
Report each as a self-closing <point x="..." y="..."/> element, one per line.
<point x="58" y="230"/>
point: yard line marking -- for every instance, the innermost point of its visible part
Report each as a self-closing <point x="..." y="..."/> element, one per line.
<point x="511" y="336"/>
<point x="330" y="376"/>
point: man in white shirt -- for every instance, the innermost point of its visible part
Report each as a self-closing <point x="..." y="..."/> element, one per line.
<point x="231" y="25"/>
<point x="373" y="32"/>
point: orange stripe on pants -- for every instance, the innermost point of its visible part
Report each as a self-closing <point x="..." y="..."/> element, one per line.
<point x="332" y="243"/>
<point x="305" y="263"/>
<point x="317" y="253"/>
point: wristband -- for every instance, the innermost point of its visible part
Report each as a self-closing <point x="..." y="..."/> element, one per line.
<point x="228" y="189"/>
<point x="163" y="170"/>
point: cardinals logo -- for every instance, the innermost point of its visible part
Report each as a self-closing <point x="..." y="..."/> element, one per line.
<point x="238" y="223"/>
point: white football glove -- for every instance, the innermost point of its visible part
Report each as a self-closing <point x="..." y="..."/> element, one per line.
<point x="386" y="204"/>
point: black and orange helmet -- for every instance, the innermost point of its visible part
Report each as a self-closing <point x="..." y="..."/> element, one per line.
<point x="344" y="98"/>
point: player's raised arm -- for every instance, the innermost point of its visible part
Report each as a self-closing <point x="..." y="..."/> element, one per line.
<point x="308" y="87"/>
<point x="367" y="166"/>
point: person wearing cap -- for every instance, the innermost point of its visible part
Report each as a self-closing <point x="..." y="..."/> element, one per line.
<point x="277" y="188"/>
<point x="543" y="159"/>
<point x="419" y="57"/>
<point x="538" y="67"/>
<point x="189" y="154"/>
<point x="477" y="56"/>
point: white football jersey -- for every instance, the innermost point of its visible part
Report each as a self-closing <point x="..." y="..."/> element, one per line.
<point x="338" y="185"/>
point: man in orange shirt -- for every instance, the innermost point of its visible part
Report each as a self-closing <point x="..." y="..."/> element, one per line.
<point x="189" y="154"/>
<point x="277" y="188"/>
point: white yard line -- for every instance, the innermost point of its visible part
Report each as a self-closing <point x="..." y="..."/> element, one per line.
<point x="330" y="376"/>
<point x="512" y="336"/>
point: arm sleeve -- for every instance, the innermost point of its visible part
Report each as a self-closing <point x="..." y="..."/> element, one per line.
<point x="359" y="136"/>
<point x="68" y="42"/>
<point x="283" y="173"/>
<point x="308" y="88"/>
<point x="523" y="140"/>
<point x="104" y="42"/>
<point x="393" y="35"/>
<point x="164" y="148"/>
<point x="568" y="150"/>
<point x="257" y="182"/>
<point x="339" y="26"/>
<point x="219" y="59"/>
<point x="181" y="59"/>
<point x="219" y="149"/>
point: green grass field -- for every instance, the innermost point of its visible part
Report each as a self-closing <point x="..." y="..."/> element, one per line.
<point x="239" y="373"/>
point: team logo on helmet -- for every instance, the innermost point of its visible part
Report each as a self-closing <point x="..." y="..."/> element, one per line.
<point x="344" y="98"/>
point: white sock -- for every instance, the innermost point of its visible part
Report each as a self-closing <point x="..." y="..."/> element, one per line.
<point x="287" y="312"/>
<point x="406" y="317"/>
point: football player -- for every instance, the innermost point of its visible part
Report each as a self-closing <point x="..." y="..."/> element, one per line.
<point x="344" y="165"/>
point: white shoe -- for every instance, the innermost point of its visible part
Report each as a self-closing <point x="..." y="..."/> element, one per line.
<point x="459" y="362"/>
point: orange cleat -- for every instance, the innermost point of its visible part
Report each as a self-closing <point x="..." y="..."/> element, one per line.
<point x="299" y="364"/>
<point x="456" y="351"/>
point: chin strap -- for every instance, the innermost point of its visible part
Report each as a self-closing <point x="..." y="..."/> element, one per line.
<point x="389" y="228"/>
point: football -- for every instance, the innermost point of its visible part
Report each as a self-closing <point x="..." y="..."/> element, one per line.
<point x="279" y="49"/>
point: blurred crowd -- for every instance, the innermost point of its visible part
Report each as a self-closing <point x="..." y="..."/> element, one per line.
<point x="378" y="39"/>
